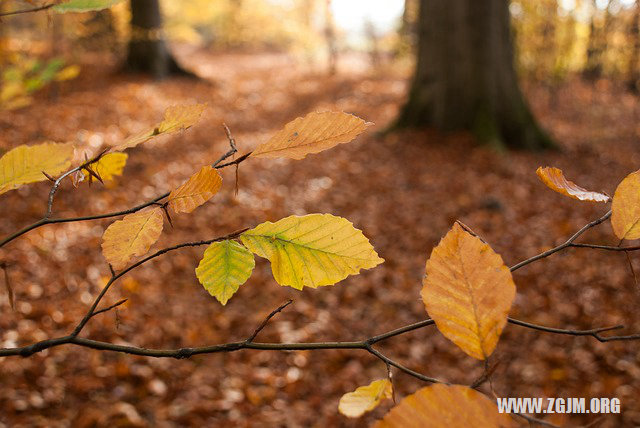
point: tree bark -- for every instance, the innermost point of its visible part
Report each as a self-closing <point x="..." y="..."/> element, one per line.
<point x="147" y="50"/>
<point x="465" y="78"/>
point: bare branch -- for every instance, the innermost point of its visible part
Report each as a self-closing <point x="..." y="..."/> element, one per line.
<point x="33" y="9"/>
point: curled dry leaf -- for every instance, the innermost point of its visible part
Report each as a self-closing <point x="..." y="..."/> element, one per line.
<point x="468" y="292"/>
<point x="26" y="164"/>
<point x="445" y="406"/>
<point x="555" y="180"/>
<point x="312" y="250"/>
<point x="312" y="134"/>
<point x="132" y="236"/>
<point x="365" y="398"/>
<point x="625" y="208"/>
<point x="176" y="118"/>
<point x="225" y="266"/>
<point x="196" y="190"/>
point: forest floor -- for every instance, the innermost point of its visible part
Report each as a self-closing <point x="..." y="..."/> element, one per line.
<point x="404" y="190"/>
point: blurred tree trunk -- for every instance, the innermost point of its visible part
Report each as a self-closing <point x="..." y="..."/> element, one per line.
<point x="147" y="51"/>
<point x="465" y="78"/>
<point x="330" y="37"/>
<point x="633" y="74"/>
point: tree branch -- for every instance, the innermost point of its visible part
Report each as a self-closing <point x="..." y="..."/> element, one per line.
<point x="33" y="9"/>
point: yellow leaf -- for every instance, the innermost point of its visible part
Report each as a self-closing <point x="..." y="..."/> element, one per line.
<point x="312" y="250"/>
<point x="131" y="236"/>
<point x="445" y="406"/>
<point x="364" y="398"/>
<point x="110" y="165"/>
<point x="68" y="73"/>
<point x="226" y="265"/>
<point x="196" y="190"/>
<point x="176" y="118"/>
<point x="555" y="180"/>
<point x="311" y="134"/>
<point x="468" y="292"/>
<point x="25" y="164"/>
<point x="625" y="208"/>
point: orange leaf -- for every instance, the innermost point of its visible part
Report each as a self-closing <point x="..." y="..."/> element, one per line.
<point x="196" y="190"/>
<point x="131" y="236"/>
<point x="312" y="134"/>
<point x="555" y="180"/>
<point x="625" y="208"/>
<point x="176" y="118"/>
<point x="468" y="292"/>
<point x="448" y="406"/>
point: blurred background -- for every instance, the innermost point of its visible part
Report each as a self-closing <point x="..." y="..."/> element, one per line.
<point x="96" y="78"/>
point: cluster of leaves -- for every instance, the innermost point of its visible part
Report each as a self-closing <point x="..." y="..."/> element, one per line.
<point x="468" y="291"/>
<point x="21" y="77"/>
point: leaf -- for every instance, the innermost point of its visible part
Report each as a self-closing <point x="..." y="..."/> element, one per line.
<point x="468" y="292"/>
<point x="196" y="190"/>
<point x="312" y="250"/>
<point x="311" y="134"/>
<point x="176" y="118"/>
<point x="25" y="164"/>
<point x="67" y="73"/>
<point x="364" y="398"/>
<point x="110" y="165"/>
<point x="226" y="265"/>
<point x="625" y="208"/>
<point x="446" y="406"/>
<point x="84" y="5"/>
<point x="131" y="236"/>
<point x="555" y="180"/>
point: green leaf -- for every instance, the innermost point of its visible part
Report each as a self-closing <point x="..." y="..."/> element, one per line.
<point x="84" y="5"/>
<point x="312" y="250"/>
<point x="226" y="265"/>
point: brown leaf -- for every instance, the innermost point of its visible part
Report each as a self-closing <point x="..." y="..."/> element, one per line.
<point x="447" y="406"/>
<point x="555" y="180"/>
<point x="196" y="190"/>
<point x="131" y="236"/>
<point x="311" y="134"/>
<point x="468" y="292"/>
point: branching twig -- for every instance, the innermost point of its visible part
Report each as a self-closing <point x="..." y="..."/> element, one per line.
<point x="48" y="220"/>
<point x="108" y="308"/>
<point x="566" y="244"/>
<point x="33" y="9"/>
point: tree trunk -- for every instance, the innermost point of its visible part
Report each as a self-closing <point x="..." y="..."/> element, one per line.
<point x="147" y="51"/>
<point x="465" y="78"/>
<point x="633" y="73"/>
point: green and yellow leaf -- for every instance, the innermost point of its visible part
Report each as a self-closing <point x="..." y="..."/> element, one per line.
<point x="110" y="165"/>
<point x="446" y="406"/>
<point x="554" y="179"/>
<point x="84" y="5"/>
<point x="625" y="208"/>
<point x="365" y="398"/>
<point x="312" y="250"/>
<point x="132" y="236"/>
<point x="311" y="134"/>
<point x="196" y="190"/>
<point x="176" y="118"/>
<point x="468" y="291"/>
<point x="25" y="164"/>
<point x="226" y="265"/>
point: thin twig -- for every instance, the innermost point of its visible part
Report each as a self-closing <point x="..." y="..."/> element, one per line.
<point x="267" y="319"/>
<point x="108" y="308"/>
<point x="562" y="246"/>
<point x="33" y="9"/>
